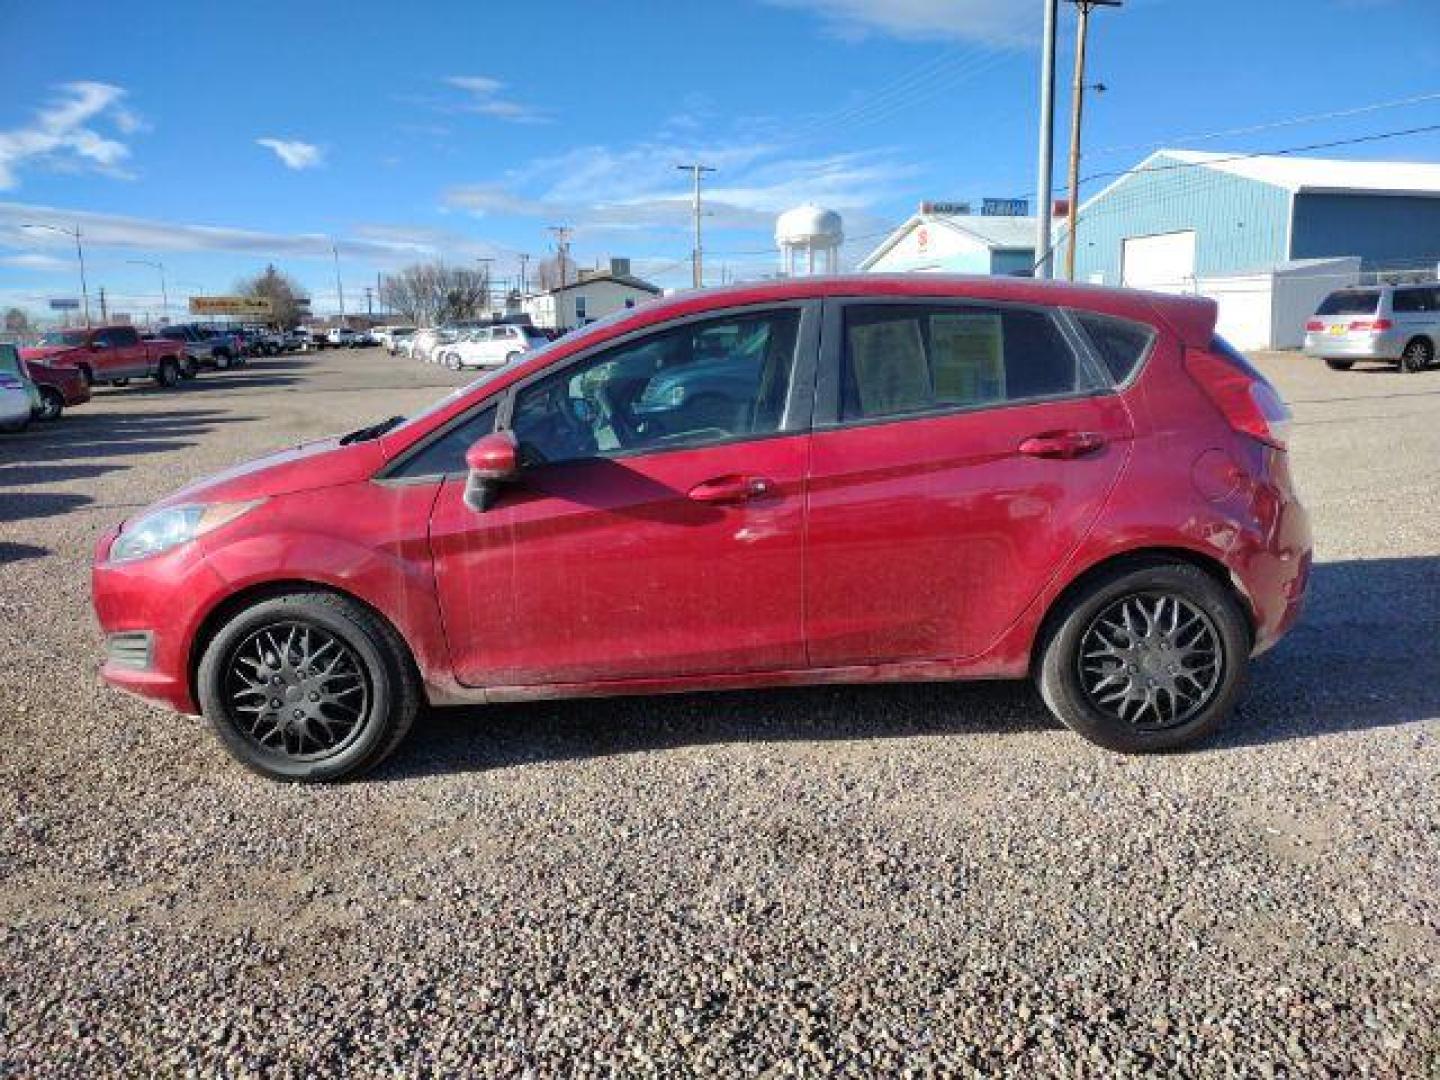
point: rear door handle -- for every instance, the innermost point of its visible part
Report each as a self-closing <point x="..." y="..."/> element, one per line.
<point x="732" y="489"/>
<point x="1062" y="444"/>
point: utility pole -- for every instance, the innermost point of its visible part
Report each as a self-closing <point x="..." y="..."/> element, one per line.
<point x="697" y="258"/>
<point x="1044" y="196"/>
<point x="79" y="254"/>
<point x="378" y="291"/>
<point x="339" y="289"/>
<point x="486" y="261"/>
<point x="164" y="296"/>
<point x="369" y="301"/>
<point x="524" y="259"/>
<point x="104" y="315"/>
<point x="562" y="248"/>
<point x="1072" y="193"/>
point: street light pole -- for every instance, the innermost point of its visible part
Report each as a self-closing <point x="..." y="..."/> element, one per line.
<point x="164" y="294"/>
<point x="80" y="255"/>
<point x="339" y="289"/>
<point x="1044" y="268"/>
<point x="1072" y="193"/>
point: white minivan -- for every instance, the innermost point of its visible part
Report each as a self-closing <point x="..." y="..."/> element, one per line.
<point x="1394" y="324"/>
<point x="493" y="346"/>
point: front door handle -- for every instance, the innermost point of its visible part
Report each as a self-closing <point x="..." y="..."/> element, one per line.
<point x="1062" y="444"/>
<point x="732" y="489"/>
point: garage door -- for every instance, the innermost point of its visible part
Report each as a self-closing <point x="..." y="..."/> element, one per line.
<point x="1164" y="263"/>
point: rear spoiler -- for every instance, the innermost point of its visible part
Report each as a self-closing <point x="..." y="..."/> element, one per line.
<point x="1191" y="318"/>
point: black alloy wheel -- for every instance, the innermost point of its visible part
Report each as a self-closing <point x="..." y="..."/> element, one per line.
<point x="1418" y="356"/>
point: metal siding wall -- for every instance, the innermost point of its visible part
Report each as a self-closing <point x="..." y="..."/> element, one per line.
<point x="1386" y="231"/>
<point x="1240" y="224"/>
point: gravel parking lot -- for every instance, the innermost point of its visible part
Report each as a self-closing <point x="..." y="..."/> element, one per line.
<point x="857" y="880"/>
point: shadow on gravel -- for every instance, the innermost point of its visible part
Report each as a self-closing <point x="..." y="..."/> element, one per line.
<point x="22" y="505"/>
<point x="1366" y="655"/>
<point x="13" y="553"/>
<point x="465" y="739"/>
<point x="88" y="438"/>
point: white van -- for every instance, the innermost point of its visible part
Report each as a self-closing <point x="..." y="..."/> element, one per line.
<point x="493" y="346"/>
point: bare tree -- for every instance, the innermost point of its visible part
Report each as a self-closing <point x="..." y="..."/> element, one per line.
<point x="283" y="292"/>
<point x="431" y="294"/>
<point x="554" y="271"/>
<point x="16" y="321"/>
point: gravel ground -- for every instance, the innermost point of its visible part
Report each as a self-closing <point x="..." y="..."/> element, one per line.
<point x="876" y="880"/>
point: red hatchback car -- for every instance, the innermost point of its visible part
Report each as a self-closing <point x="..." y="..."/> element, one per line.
<point x="821" y="480"/>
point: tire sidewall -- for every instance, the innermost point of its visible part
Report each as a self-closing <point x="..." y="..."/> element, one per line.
<point x="379" y="664"/>
<point x="54" y="404"/>
<point x="1059" y="678"/>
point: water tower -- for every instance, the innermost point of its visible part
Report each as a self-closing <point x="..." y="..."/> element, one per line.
<point x="809" y="237"/>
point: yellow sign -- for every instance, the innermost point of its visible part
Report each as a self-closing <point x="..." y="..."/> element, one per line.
<point x="252" y="306"/>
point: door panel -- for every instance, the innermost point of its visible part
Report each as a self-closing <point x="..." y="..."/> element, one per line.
<point x="606" y="569"/>
<point x="928" y="537"/>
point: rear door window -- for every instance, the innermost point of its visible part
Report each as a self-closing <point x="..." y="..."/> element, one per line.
<point x="901" y="358"/>
<point x="1414" y="301"/>
<point x="1350" y="302"/>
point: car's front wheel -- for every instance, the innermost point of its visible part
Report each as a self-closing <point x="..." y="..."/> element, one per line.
<point x="168" y="374"/>
<point x="1150" y="656"/>
<point x="308" y="686"/>
<point x="1339" y="365"/>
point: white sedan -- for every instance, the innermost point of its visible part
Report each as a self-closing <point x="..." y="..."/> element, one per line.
<point x="492" y="347"/>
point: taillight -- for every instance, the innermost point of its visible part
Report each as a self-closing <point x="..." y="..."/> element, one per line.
<point x="1249" y="404"/>
<point x="1315" y="324"/>
<point x="1374" y="326"/>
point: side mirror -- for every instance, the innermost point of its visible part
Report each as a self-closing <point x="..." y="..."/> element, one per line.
<point x="492" y="459"/>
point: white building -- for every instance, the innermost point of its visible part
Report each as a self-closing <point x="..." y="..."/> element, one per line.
<point x="945" y="238"/>
<point x="594" y="295"/>
<point x="809" y="238"/>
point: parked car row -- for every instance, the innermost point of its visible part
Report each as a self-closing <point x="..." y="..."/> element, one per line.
<point x="459" y="348"/>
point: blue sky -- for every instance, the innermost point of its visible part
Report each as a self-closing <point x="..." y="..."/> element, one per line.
<point x="216" y="138"/>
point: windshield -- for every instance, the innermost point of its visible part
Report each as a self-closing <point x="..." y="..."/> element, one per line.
<point x="1351" y="302"/>
<point x="68" y="338"/>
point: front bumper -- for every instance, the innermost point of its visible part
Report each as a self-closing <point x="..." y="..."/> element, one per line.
<point x="162" y="600"/>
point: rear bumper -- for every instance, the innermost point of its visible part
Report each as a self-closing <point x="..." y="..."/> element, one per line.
<point x="1355" y="346"/>
<point x="1272" y="557"/>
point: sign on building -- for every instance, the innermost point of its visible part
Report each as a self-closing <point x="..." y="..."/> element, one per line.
<point x="64" y="304"/>
<point x="955" y="208"/>
<point x="240" y="306"/>
<point x="1005" y="208"/>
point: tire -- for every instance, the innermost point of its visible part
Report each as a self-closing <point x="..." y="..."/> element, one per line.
<point x="120" y="382"/>
<point x="374" y="659"/>
<point x="87" y="375"/>
<point x="1339" y="365"/>
<point x="1083" y="621"/>
<point x="511" y="357"/>
<point x="169" y="374"/>
<point x="188" y="368"/>
<point x="1419" y="354"/>
<point x="52" y="404"/>
<point x="222" y="360"/>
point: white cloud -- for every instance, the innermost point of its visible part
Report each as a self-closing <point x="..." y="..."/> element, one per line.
<point x="33" y="260"/>
<point x="483" y="98"/>
<point x="606" y="189"/>
<point x="64" y="134"/>
<point x="294" y="153"/>
<point x="990" y="22"/>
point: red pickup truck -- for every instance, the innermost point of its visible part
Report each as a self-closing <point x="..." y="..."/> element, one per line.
<point x="111" y="354"/>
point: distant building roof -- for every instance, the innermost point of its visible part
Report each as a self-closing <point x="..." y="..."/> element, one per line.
<point x="1304" y="174"/>
<point x="996" y="233"/>
<point x="629" y="280"/>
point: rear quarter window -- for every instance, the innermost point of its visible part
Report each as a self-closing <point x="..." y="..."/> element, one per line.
<point x="1120" y="344"/>
<point x="1350" y="302"/>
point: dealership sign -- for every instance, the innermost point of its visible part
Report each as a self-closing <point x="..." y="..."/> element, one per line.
<point x="1005" y="208"/>
<point x="65" y="304"/>
<point x="244" y="306"/>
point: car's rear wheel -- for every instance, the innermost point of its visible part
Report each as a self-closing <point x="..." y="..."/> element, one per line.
<point x="222" y="361"/>
<point x="1339" y="365"/>
<point x="52" y="404"/>
<point x="1418" y="356"/>
<point x="168" y="374"/>
<point x="308" y="686"/>
<point x="1150" y="656"/>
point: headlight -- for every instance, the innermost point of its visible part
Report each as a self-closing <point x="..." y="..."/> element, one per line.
<point x="173" y="526"/>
